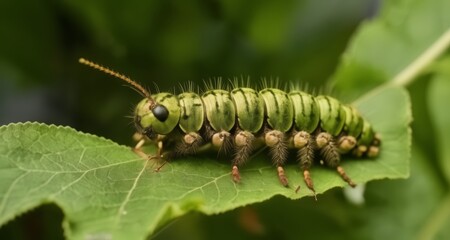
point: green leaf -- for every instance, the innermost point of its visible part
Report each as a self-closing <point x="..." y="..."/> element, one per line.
<point x="438" y="105"/>
<point x="388" y="203"/>
<point x="396" y="46"/>
<point x="107" y="191"/>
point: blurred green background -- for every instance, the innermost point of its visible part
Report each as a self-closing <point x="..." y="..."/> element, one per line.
<point x="172" y="42"/>
<point x="161" y="42"/>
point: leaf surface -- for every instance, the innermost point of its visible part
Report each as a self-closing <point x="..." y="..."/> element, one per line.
<point x="107" y="191"/>
<point x="395" y="47"/>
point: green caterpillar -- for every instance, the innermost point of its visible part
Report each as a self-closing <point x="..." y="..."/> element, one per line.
<point x="243" y="119"/>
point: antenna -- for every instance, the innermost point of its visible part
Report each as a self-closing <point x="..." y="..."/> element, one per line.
<point x="134" y="84"/>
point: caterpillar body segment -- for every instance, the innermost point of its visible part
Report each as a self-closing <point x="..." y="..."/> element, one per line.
<point x="192" y="112"/>
<point x="249" y="109"/>
<point x="353" y="121"/>
<point x="241" y="120"/>
<point x="278" y="109"/>
<point x="220" y="110"/>
<point x="332" y="115"/>
<point x="306" y="111"/>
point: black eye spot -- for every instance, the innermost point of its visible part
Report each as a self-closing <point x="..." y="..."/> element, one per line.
<point x="160" y="112"/>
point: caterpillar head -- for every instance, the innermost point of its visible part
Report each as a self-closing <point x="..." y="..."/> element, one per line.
<point x="155" y="114"/>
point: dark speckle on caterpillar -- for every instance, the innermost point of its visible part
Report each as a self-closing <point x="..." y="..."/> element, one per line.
<point x="244" y="119"/>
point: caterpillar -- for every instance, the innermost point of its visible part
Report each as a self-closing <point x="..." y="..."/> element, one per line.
<point x="244" y="119"/>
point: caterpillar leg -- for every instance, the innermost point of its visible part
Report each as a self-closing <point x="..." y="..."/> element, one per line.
<point x="138" y="149"/>
<point x="189" y="145"/>
<point x="374" y="149"/>
<point x="141" y="141"/>
<point x="222" y="141"/>
<point x="276" y="142"/>
<point x="344" y="176"/>
<point x="331" y="156"/>
<point x="346" y="143"/>
<point x="244" y="146"/>
<point x="306" y="147"/>
<point x="359" y="151"/>
<point x="159" y="155"/>
<point x="370" y="151"/>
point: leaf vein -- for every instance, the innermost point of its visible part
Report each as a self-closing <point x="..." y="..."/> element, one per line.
<point x="8" y="192"/>
<point x="127" y="198"/>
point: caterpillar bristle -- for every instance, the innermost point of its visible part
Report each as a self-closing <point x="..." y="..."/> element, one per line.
<point x="156" y="87"/>
<point x="239" y="82"/>
<point x="213" y="83"/>
<point x="181" y="87"/>
<point x="267" y="83"/>
<point x="243" y="147"/>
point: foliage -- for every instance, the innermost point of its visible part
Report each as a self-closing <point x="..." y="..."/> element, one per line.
<point x="105" y="190"/>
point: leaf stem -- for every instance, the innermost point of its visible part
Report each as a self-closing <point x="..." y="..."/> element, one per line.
<point x="406" y="76"/>
<point x="436" y="220"/>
